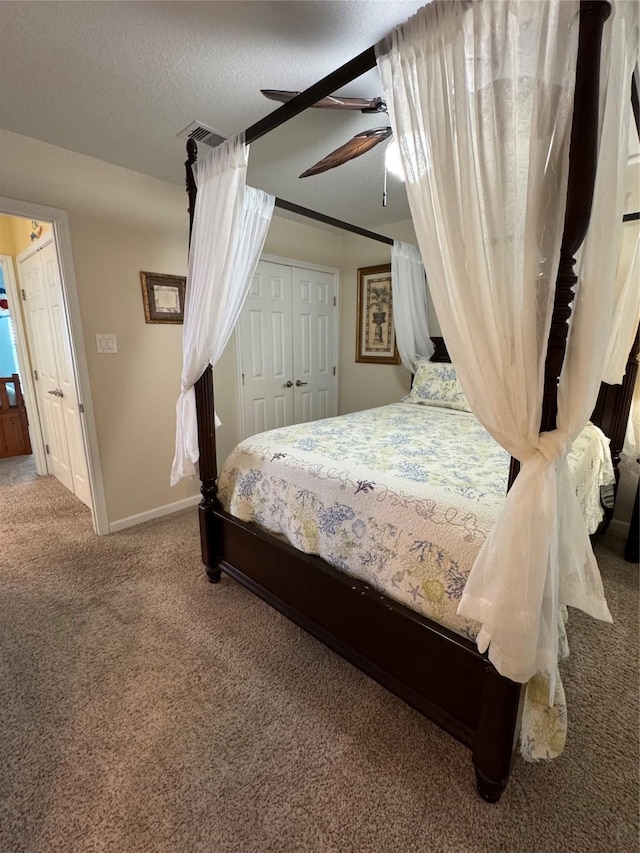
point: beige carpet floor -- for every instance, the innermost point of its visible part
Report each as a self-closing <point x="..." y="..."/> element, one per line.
<point x="142" y="709"/>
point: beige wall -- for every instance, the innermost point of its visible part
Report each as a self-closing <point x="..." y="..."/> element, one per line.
<point x="363" y="386"/>
<point x="121" y="222"/>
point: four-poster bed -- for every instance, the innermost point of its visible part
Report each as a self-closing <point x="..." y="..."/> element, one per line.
<point x="434" y="669"/>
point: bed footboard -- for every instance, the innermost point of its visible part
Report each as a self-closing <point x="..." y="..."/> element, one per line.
<point x="438" y="672"/>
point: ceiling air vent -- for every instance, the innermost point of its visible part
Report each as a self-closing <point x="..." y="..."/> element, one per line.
<point x="201" y="133"/>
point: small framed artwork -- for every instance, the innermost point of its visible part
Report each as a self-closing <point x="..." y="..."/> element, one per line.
<point x="375" y="335"/>
<point x="163" y="297"/>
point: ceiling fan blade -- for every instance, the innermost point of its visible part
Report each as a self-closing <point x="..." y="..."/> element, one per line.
<point x="360" y="144"/>
<point x="332" y="102"/>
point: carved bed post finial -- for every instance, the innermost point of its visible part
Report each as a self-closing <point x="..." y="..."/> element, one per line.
<point x="205" y="412"/>
<point x="192" y="156"/>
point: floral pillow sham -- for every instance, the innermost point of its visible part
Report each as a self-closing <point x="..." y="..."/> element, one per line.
<point x="436" y="384"/>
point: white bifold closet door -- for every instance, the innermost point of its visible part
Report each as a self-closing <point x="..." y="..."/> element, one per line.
<point x="286" y="338"/>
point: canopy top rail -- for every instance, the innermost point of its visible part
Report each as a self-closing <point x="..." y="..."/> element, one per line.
<point x="365" y="61"/>
<point x="330" y="220"/>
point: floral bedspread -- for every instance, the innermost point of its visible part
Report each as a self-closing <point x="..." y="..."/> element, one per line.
<point x="402" y="497"/>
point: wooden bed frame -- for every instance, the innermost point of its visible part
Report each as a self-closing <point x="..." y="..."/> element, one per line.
<point x="433" y="669"/>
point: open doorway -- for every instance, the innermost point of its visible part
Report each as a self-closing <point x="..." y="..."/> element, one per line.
<point x="48" y="391"/>
<point x="15" y="440"/>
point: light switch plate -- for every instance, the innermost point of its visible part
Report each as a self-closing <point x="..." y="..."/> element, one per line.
<point x="106" y="343"/>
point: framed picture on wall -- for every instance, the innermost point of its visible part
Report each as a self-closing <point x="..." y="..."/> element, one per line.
<point x="163" y="297"/>
<point x="375" y="335"/>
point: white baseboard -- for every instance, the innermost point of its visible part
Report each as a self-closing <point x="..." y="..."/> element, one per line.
<point x="158" y="512"/>
<point x="619" y="527"/>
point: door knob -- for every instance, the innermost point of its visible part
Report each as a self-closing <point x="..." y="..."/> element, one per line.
<point x="298" y="383"/>
<point x="288" y="384"/>
<point x="56" y="393"/>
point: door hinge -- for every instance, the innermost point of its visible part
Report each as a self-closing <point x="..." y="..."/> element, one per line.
<point x="334" y="302"/>
<point x="334" y="370"/>
<point x="46" y="447"/>
<point x="81" y="408"/>
<point x="24" y="295"/>
<point x="35" y="375"/>
<point x="243" y="378"/>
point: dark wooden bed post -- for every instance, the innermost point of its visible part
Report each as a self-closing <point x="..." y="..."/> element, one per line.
<point x="501" y="704"/>
<point x="583" y="156"/>
<point x="208" y="471"/>
<point x="206" y="418"/>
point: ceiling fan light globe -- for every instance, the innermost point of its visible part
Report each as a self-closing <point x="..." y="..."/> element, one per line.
<point x="393" y="160"/>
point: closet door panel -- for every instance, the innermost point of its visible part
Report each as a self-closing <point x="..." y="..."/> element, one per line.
<point x="313" y="293"/>
<point x="266" y="355"/>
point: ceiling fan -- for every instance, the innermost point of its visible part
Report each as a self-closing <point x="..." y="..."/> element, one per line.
<point x="360" y="144"/>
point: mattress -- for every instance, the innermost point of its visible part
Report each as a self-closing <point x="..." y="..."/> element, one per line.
<point x="401" y="497"/>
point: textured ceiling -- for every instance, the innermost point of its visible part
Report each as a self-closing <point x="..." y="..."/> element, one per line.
<point x="119" y="80"/>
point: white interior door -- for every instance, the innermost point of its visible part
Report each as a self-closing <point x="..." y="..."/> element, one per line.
<point x="56" y="390"/>
<point x="45" y="369"/>
<point x="264" y="331"/>
<point x="66" y="375"/>
<point x="286" y="340"/>
<point x="313" y="331"/>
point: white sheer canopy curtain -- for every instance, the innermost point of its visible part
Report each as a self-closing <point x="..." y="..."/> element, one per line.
<point x="481" y="97"/>
<point x="626" y="318"/>
<point x="410" y="308"/>
<point x="602" y="254"/>
<point x="230" y="225"/>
